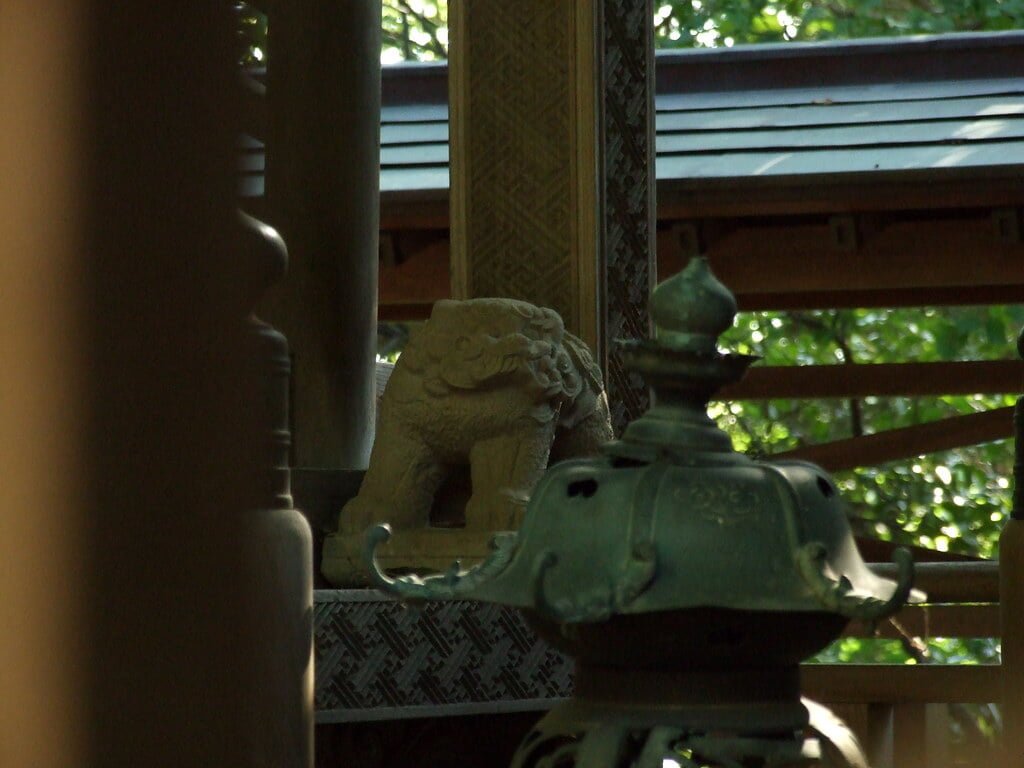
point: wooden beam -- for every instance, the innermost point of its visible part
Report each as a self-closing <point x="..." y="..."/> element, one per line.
<point x="976" y="582"/>
<point x="935" y="621"/>
<point x="747" y="197"/>
<point x="899" y="683"/>
<point x="762" y="196"/>
<point x="754" y="301"/>
<point x="419" y="280"/>
<point x="792" y="264"/>
<point x="789" y="301"/>
<point x="414" y="210"/>
<point x="906" y="442"/>
<point x="773" y="257"/>
<point x="877" y="551"/>
<point x="882" y="380"/>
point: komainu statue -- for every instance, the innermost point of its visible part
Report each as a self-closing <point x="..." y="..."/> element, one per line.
<point x="495" y="385"/>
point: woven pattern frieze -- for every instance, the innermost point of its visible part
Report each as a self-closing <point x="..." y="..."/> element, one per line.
<point x="628" y="180"/>
<point x="373" y="653"/>
<point x="519" y="152"/>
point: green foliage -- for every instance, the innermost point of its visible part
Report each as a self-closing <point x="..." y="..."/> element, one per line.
<point x="957" y="500"/>
<point x="414" y="30"/>
<point x="953" y="501"/>
<point x="937" y="650"/>
<point x="417" y="30"/>
<point x="710" y="23"/>
<point x="252" y="35"/>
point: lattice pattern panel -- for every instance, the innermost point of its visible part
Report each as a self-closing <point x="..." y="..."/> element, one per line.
<point x="629" y="246"/>
<point x="377" y="659"/>
<point x="519" y="151"/>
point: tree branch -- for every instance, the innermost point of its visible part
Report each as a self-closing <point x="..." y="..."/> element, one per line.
<point x="429" y="26"/>
<point x="846" y="353"/>
<point x="836" y="330"/>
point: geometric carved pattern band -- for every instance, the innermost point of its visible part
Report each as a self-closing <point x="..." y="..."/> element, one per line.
<point x="628" y="180"/>
<point x="378" y="659"/>
<point x="518" y="151"/>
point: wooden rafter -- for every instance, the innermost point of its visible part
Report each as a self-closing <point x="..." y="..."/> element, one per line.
<point x="907" y="442"/>
<point x="881" y="380"/>
<point x="870" y="683"/>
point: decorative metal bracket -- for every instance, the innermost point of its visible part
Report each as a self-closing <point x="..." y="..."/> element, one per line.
<point x="453" y="584"/>
<point x="836" y="595"/>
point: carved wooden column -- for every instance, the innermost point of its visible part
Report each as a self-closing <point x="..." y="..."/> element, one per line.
<point x="552" y="188"/>
<point x="323" y="102"/>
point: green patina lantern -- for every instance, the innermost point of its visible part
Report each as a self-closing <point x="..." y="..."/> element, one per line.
<point x="687" y="580"/>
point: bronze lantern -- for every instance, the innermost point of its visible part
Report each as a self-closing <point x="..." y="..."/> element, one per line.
<point x="687" y="580"/>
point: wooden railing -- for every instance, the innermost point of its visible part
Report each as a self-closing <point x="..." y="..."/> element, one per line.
<point x="901" y="712"/>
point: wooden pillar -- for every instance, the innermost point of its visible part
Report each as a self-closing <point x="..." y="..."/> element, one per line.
<point x="1011" y="603"/>
<point x="156" y="618"/>
<point x="910" y="736"/>
<point x="322" y="182"/>
<point x="42" y="633"/>
<point x="552" y="170"/>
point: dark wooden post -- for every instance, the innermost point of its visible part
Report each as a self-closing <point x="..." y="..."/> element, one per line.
<point x="179" y="613"/>
<point x="323" y="101"/>
<point x="1011" y="603"/>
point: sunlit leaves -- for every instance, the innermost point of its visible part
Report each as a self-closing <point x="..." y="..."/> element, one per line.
<point x="252" y="34"/>
<point x="414" y="30"/>
<point x="915" y="504"/>
<point x="417" y="30"/>
<point x="714" y="23"/>
<point x="955" y="501"/>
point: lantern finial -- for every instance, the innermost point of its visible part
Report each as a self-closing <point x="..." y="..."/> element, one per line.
<point x="692" y="309"/>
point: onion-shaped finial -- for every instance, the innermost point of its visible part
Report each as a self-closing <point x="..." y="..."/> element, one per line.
<point x="692" y="309"/>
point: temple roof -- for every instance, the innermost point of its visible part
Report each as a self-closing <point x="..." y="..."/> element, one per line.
<point x="918" y="110"/>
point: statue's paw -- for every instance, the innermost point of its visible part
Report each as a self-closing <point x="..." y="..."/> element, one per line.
<point x="503" y="510"/>
<point x="361" y="513"/>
